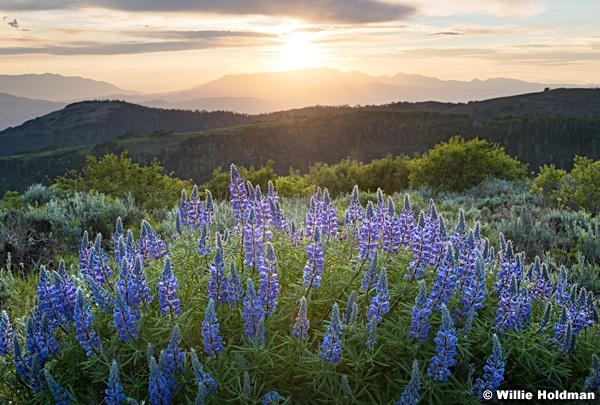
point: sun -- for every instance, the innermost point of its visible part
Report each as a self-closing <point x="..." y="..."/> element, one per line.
<point x="299" y="51"/>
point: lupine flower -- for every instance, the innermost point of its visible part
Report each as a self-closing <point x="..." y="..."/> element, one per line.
<point x="209" y="207"/>
<point x="406" y="223"/>
<point x="277" y="218"/>
<point x="390" y="229"/>
<point x="350" y="308"/>
<point x="592" y="381"/>
<point x="50" y="301"/>
<point x="514" y="308"/>
<point x="116" y="237"/>
<point x="268" y="289"/>
<point x="329" y="219"/>
<point x="253" y="311"/>
<point x="368" y="234"/>
<point x="158" y="386"/>
<point x="419" y="328"/>
<point x="354" y="214"/>
<point x="372" y="337"/>
<point x="150" y="243"/>
<point x="302" y="323"/>
<point x="203" y="248"/>
<point x="194" y="210"/>
<point x="6" y="334"/>
<point x="21" y="361"/>
<point x="253" y="239"/>
<point x="84" y="253"/>
<point x="410" y="395"/>
<point x="235" y="291"/>
<point x="178" y="226"/>
<point x="563" y="333"/>
<point x="125" y="318"/>
<point x="508" y="268"/>
<point x="127" y="286"/>
<point x="445" y="346"/>
<point x="546" y="317"/>
<point x="114" y="390"/>
<point x="313" y="216"/>
<point x="86" y="335"/>
<point x="98" y="265"/>
<point x="60" y="394"/>
<point x="174" y="356"/>
<point x="370" y="277"/>
<point x="217" y="283"/>
<point x="331" y="348"/>
<point x="65" y="289"/>
<point x="561" y="295"/>
<point x="213" y="343"/>
<point x="101" y="297"/>
<point x="43" y="337"/>
<point x="167" y="291"/>
<point x="315" y="262"/>
<point x="140" y="281"/>
<point x="445" y="281"/>
<point x="271" y="398"/>
<point x="380" y="303"/>
<point x="421" y="248"/>
<point x="238" y="195"/>
<point x="202" y="378"/>
<point x="543" y="285"/>
<point x="493" y="371"/>
<point x="182" y="211"/>
<point x="346" y="390"/>
<point x="474" y="289"/>
<point x="295" y="235"/>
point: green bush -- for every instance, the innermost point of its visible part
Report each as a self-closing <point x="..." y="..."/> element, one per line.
<point x="458" y="165"/>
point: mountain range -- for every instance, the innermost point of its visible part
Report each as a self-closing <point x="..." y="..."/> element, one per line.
<point x="254" y="93"/>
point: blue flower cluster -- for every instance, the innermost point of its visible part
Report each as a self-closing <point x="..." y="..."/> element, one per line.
<point x="331" y="348"/>
<point x="268" y="290"/>
<point x="445" y="346"/>
<point x="315" y="262"/>
<point x="114" y="390"/>
<point x="167" y="291"/>
<point x="6" y="334"/>
<point x="411" y="395"/>
<point x="213" y="343"/>
<point x="493" y="370"/>
<point x="419" y="328"/>
<point x="302" y="323"/>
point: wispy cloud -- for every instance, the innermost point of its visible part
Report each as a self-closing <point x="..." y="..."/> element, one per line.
<point x="344" y="11"/>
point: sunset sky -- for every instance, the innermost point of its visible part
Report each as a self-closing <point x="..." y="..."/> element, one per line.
<point x="162" y="45"/>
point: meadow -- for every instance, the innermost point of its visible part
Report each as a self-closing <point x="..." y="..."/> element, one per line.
<point x="261" y="300"/>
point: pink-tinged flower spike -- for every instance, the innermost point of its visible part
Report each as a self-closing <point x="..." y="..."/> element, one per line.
<point x="302" y="323"/>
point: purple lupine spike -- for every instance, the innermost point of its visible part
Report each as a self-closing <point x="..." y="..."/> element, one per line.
<point x="422" y="244"/>
<point x="368" y="235"/>
<point x="157" y="248"/>
<point x="331" y="348"/>
<point x="370" y="277"/>
<point x="351" y="309"/>
<point x="508" y="268"/>
<point x="271" y="193"/>
<point x="295" y="235"/>
<point x="116" y="237"/>
<point x="61" y="395"/>
<point x="217" y="283"/>
<point x="592" y="381"/>
<point x="277" y="218"/>
<point x="203" y="248"/>
<point x="493" y="371"/>
<point x="406" y="224"/>
<point x="445" y="346"/>
<point x="158" y="384"/>
<point x="238" y="195"/>
<point x="100" y="295"/>
<point x="410" y="395"/>
<point x="131" y="250"/>
<point x="65" y="289"/>
<point x="202" y="378"/>
<point x="183" y="209"/>
<point x="372" y="337"/>
<point x="98" y="266"/>
<point x="380" y="303"/>
<point x="268" y="290"/>
<point x="140" y="280"/>
<point x="125" y="318"/>
<point x="445" y="281"/>
<point x="195" y="210"/>
<point x="174" y="356"/>
<point x="83" y="319"/>
<point x="514" y="308"/>
<point x="390" y="229"/>
<point x="355" y="213"/>
<point x="84" y="253"/>
<point x="127" y="286"/>
<point x="563" y="333"/>
<point x="44" y="340"/>
<point x="50" y="301"/>
<point x="167" y="291"/>
<point x="6" y="334"/>
<point x="213" y="343"/>
<point x="209" y="207"/>
<point x="312" y="217"/>
<point x="253" y="311"/>
<point x="329" y="219"/>
<point x="419" y="328"/>
<point x="302" y="323"/>
<point x="235" y="291"/>
<point x="253" y="240"/>
<point x="114" y="390"/>
<point x="313" y="269"/>
<point x="474" y="289"/>
<point x="561" y="295"/>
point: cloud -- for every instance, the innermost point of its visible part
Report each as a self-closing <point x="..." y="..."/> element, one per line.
<point x="154" y="41"/>
<point x="321" y="11"/>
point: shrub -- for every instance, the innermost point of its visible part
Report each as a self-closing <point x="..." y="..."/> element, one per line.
<point x="457" y="165"/>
